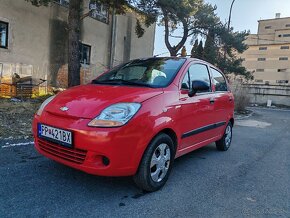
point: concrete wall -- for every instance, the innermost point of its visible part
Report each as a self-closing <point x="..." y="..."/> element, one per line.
<point x="38" y="41"/>
<point x="260" y="94"/>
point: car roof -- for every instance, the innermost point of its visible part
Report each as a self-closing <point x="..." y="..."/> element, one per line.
<point x="190" y="59"/>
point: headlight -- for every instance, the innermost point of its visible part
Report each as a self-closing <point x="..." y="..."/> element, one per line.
<point x="43" y="105"/>
<point x="115" y="115"/>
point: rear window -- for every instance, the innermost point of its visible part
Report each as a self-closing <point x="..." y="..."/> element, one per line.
<point x="152" y="72"/>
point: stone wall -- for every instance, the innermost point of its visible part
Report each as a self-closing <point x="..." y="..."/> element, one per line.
<point x="260" y="94"/>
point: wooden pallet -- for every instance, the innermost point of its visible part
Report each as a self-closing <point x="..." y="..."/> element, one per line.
<point x="24" y="90"/>
<point x="7" y="90"/>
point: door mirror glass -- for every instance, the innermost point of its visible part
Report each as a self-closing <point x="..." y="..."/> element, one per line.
<point x="198" y="85"/>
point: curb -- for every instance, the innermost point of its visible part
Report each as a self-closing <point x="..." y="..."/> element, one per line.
<point x="269" y="108"/>
<point x="241" y="117"/>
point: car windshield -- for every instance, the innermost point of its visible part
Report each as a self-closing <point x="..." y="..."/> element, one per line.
<point x="151" y="72"/>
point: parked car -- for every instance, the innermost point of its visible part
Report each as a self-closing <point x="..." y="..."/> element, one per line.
<point x="137" y="118"/>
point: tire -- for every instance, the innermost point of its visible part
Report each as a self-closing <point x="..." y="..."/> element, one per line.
<point x="156" y="164"/>
<point x="225" y="142"/>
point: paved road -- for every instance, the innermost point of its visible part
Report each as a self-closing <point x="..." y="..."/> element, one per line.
<point x="251" y="179"/>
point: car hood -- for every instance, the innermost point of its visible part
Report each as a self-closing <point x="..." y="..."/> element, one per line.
<point x="88" y="101"/>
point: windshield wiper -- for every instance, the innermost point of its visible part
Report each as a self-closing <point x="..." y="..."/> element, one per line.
<point x="120" y="82"/>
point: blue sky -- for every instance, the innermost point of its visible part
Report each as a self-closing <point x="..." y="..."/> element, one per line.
<point x="245" y="16"/>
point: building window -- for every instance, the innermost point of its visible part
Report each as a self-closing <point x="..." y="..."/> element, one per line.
<point x="243" y="59"/>
<point x="85" y="51"/>
<point x="260" y="70"/>
<point x="261" y="59"/>
<point x="64" y="3"/>
<point x="284" y="47"/>
<point x="99" y="11"/>
<point x="283" y="59"/>
<point x="282" y="70"/>
<point x="268" y="27"/>
<point x="286" y="35"/>
<point x="259" y="80"/>
<point x="3" y="34"/>
<point x="282" y="81"/>
<point x="262" y="48"/>
<point x="287" y="25"/>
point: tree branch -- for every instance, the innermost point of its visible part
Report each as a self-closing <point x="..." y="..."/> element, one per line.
<point x="86" y="14"/>
<point x="166" y="25"/>
<point x="184" y="37"/>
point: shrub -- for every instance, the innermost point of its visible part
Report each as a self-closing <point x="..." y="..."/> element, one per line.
<point x="242" y="99"/>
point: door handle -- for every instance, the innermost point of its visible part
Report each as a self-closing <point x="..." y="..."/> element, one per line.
<point x="183" y="99"/>
<point x="212" y="100"/>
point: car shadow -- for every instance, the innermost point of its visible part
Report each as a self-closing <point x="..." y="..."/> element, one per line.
<point x="97" y="181"/>
<point x="68" y="183"/>
<point x="92" y="183"/>
<point x="201" y="153"/>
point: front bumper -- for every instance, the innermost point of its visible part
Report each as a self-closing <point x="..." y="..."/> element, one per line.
<point x="93" y="147"/>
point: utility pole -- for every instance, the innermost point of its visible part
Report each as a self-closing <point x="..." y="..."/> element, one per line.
<point x="229" y="26"/>
<point x="230" y="15"/>
<point x="113" y="38"/>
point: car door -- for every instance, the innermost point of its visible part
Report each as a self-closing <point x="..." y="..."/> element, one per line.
<point x="197" y="111"/>
<point x="224" y="102"/>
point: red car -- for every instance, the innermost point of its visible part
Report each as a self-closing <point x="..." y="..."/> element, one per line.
<point x="137" y="118"/>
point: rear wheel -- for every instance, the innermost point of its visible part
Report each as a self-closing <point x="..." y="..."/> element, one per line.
<point x="225" y="142"/>
<point x="156" y="164"/>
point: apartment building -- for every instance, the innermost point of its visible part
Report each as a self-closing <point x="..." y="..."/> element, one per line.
<point x="33" y="41"/>
<point x="268" y="55"/>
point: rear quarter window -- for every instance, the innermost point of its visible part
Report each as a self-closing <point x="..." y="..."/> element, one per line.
<point x="219" y="81"/>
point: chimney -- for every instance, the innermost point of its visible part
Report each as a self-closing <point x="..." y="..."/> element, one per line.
<point x="278" y="15"/>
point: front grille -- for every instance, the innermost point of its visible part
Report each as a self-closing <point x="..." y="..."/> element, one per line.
<point x="69" y="154"/>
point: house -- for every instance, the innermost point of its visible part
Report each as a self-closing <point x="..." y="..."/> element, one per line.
<point x="34" y="42"/>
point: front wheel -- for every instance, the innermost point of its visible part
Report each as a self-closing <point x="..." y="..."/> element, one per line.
<point x="156" y="164"/>
<point x="225" y="142"/>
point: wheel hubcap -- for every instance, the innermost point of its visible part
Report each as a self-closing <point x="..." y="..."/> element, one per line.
<point x="160" y="162"/>
<point x="228" y="137"/>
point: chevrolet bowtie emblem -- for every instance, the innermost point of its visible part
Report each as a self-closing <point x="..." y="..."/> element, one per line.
<point x="64" y="108"/>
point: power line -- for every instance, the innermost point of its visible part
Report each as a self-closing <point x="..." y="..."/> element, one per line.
<point x="161" y="54"/>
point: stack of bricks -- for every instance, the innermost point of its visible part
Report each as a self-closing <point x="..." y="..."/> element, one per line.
<point x="7" y="89"/>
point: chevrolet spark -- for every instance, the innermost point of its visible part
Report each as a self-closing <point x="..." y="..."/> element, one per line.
<point x="137" y="118"/>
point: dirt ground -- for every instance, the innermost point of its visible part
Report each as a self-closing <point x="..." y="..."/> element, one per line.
<point x="16" y="117"/>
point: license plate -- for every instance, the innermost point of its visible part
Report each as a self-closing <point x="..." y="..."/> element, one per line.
<point x="59" y="136"/>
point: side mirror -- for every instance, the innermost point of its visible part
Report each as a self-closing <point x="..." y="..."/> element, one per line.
<point x="198" y="85"/>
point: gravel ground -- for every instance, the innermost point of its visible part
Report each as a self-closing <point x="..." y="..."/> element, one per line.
<point x="16" y="118"/>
